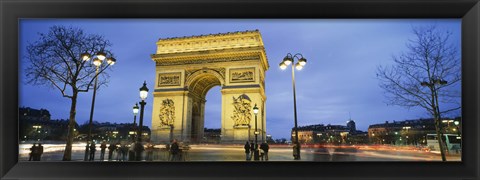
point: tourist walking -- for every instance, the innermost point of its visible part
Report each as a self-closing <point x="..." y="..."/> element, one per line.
<point x="37" y="152"/>
<point x="174" y="151"/>
<point x="111" y="148"/>
<point x="247" y="151"/>
<point x="264" y="147"/>
<point x="40" y="151"/>
<point x="138" y="150"/>
<point x="123" y="151"/>
<point x="131" y="152"/>
<point x="32" y="149"/>
<point x="92" y="151"/>
<point x="118" y="151"/>
<point x="103" y="146"/>
<point x="252" y="150"/>
<point x="149" y="150"/>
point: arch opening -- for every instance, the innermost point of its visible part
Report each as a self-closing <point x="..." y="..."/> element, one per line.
<point x="198" y="88"/>
<point x="213" y="115"/>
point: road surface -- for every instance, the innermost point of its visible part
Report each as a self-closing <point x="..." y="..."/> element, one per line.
<point x="205" y="152"/>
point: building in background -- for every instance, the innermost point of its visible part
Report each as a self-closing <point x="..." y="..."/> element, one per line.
<point x="408" y="132"/>
<point x="351" y="126"/>
<point x="27" y="113"/>
<point x="36" y="126"/>
<point x="211" y="136"/>
<point x="113" y="132"/>
<point x="331" y="134"/>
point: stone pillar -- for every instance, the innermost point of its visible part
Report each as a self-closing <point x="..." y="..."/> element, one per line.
<point x="161" y="133"/>
<point x="234" y="133"/>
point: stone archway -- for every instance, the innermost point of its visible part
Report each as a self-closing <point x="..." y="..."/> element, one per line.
<point x="188" y="67"/>
<point x="198" y="85"/>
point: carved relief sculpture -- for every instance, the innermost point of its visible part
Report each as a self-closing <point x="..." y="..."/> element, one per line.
<point x="167" y="112"/>
<point x="169" y="79"/>
<point x="242" y="75"/>
<point x="241" y="112"/>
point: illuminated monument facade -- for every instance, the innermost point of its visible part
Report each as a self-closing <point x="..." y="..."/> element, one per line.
<point x="188" y="67"/>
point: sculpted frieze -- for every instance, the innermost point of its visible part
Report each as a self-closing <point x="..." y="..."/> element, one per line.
<point x="241" y="110"/>
<point x="169" y="79"/>
<point x="167" y="112"/>
<point x="242" y="75"/>
<point x="206" y="60"/>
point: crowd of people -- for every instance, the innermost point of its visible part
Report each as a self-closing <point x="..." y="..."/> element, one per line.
<point x="124" y="151"/>
<point x="116" y="151"/>
<point x="119" y="149"/>
<point x="251" y="149"/>
<point x="36" y="152"/>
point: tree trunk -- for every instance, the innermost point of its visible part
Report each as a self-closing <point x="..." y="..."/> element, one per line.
<point x="67" y="155"/>
<point x="440" y="129"/>
<point x="439" y="137"/>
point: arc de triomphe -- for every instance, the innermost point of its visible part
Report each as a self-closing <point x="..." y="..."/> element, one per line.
<point x="188" y="67"/>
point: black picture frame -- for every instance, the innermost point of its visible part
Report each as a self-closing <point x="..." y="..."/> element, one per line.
<point x="11" y="11"/>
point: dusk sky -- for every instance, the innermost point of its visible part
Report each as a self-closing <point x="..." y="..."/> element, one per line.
<point x="339" y="78"/>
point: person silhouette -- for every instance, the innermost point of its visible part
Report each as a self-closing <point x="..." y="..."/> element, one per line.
<point x="92" y="151"/>
<point x="103" y="146"/>
<point x="124" y="151"/>
<point x="252" y="149"/>
<point x="247" y="151"/>
<point x="264" y="147"/>
<point x="174" y="150"/>
<point x="32" y="150"/>
<point x="111" y="148"/>
<point x="37" y="152"/>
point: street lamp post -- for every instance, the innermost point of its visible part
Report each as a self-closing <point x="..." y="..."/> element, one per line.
<point x="249" y="132"/>
<point x="447" y="129"/>
<point x="256" y="155"/>
<point x="135" y="112"/>
<point x="289" y="59"/>
<point x="457" y="127"/>
<point x="97" y="61"/>
<point x="438" y="125"/>
<point x="37" y="132"/>
<point x="406" y="136"/>
<point x="459" y="135"/>
<point x="138" y="146"/>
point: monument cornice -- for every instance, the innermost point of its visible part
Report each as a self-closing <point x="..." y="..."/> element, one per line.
<point x="212" y="56"/>
<point x="208" y="47"/>
<point x="192" y="54"/>
<point x="212" y="35"/>
<point x="239" y="39"/>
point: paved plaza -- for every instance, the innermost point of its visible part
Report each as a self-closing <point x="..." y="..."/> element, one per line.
<point x="206" y="152"/>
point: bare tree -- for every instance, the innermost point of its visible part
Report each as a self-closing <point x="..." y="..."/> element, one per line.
<point x="55" y="62"/>
<point x="427" y="74"/>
